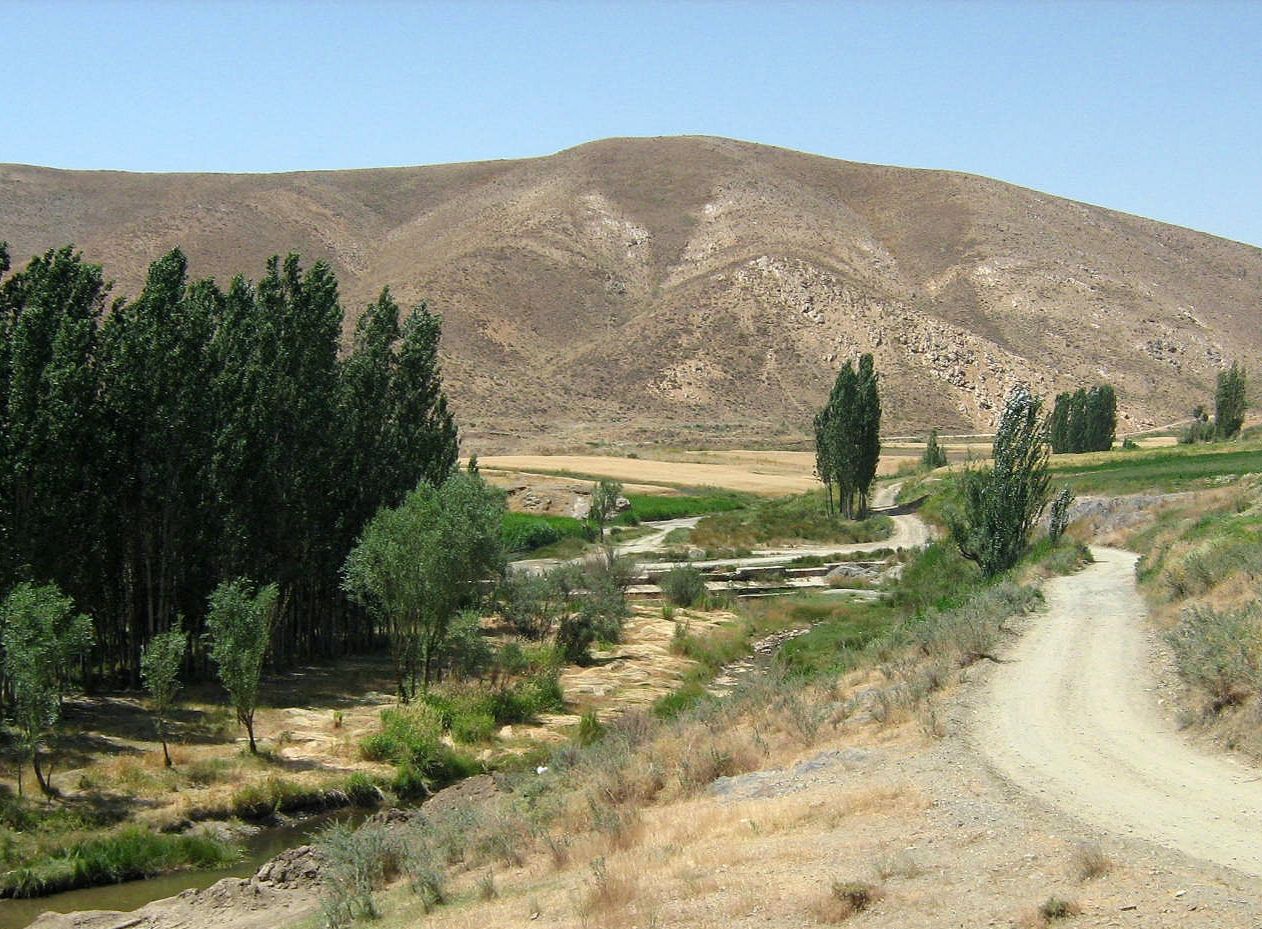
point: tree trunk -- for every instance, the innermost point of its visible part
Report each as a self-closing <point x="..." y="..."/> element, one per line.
<point x="162" y="736"/>
<point x="44" y="782"/>
<point x="247" y="719"/>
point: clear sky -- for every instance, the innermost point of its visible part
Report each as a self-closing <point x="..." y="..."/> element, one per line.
<point x="1149" y="107"/>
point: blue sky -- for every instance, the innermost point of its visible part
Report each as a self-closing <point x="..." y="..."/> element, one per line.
<point x="1149" y="107"/>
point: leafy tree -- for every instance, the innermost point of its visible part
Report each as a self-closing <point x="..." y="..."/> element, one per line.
<point x="1084" y="421"/>
<point x="1230" y="402"/>
<point x="847" y="437"/>
<point x="192" y="435"/>
<point x="418" y="564"/>
<point x="43" y="639"/>
<point x="238" y="625"/>
<point x="160" y="662"/>
<point x="1059" y="517"/>
<point x="604" y="505"/>
<point x="1001" y="502"/>
<point x="934" y="455"/>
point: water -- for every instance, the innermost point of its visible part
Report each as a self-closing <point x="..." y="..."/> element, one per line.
<point x="17" y="914"/>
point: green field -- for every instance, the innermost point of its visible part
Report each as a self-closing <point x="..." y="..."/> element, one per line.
<point x="786" y="520"/>
<point x="702" y="501"/>
<point x="1160" y="470"/>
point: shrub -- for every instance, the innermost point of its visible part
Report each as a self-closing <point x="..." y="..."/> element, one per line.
<point x="844" y="900"/>
<point x="937" y="577"/>
<point x="411" y="738"/>
<point x="590" y="728"/>
<point x="1059" y="518"/>
<point x="357" y="862"/>
<point x="1220" y="652"/>
<point x="1090" y="862"/>
<point x="474" y="727"/>
<point x="527" y="602"/>
<point x="683" y="585"/>
<point x="1054" y="908"/>
<point x="361" y="790"/>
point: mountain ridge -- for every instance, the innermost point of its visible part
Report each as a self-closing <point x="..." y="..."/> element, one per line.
<point x="702" y="290"/>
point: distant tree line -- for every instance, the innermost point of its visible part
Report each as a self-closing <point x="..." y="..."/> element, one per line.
<point x="1084" y="420"/>
<point x="152" y="448"/>
<point x="848" y="438"/>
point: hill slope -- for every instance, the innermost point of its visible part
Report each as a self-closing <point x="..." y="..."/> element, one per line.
<point x="693" y="289"/>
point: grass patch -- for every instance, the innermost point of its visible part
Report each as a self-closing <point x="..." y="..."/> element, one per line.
<point x="125" y="854"/>
<point x="841" y="631"/>
<point x="1158" y="470"/>
<point x="411" y="738"/>
<point x="786" y="520"/>
<point x="527" y="532"/>
<point x="697" y="502"/>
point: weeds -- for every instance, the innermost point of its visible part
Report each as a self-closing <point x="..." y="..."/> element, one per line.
<point x="898" y="864"/>
<point x="357" y="863"/>
<point x="126" y="854"/>
<point x="783" y="520"/>
<point x="1089" y="862"/>
<point x="1220" y="652"/>
<point x="844" y="900"/>
<point x="1055" y="908"/>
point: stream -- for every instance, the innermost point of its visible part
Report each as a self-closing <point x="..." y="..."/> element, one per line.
<point x="263" y="845"/>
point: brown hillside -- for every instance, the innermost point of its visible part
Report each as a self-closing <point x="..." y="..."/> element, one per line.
<point x="700" y="289"/>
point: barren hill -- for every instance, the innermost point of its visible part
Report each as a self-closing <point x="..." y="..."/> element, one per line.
<point x="701" y="289"/>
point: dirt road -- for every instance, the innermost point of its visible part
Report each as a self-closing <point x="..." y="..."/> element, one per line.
<point x="1073" y="718"/>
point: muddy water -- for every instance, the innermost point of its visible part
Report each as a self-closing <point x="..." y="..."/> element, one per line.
<point x="17" y="914"/>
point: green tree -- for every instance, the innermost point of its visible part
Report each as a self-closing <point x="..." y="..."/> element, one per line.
<point x="1230" y="402"/>
<point x="604" y="505"/>
<point x="847" y="437"/>
<point x="238" y="626"/>
<point x="934" y="455"/>
<point x="43" y="638"/>
<point x="1000" y="503"/>
<point x="418" y="564"/>
<point x="160" y="663"/>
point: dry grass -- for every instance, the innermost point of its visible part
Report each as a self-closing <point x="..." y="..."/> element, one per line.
<point x="1089" y="862"/>
<point x="843" y="900"/>
<point x="900" y="863"/>
<point x="608" y="892"/>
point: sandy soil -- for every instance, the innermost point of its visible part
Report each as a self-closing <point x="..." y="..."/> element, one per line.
<point x="731" y="477"/>
<point x="1074" y="718"/>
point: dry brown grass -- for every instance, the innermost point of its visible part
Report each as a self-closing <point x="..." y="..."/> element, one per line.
<point x="843" y="900"/>
<point x="1089" y="861"/>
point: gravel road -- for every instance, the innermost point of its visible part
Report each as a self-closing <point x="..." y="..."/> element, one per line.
<point x="1072" y="716"/>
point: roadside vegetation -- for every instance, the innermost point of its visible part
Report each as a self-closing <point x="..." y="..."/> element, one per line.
<point x="544" y="536"/>
<point x="803" y="518"/>
<point x="1201" y="569"/>
<point x="862" y="665"/>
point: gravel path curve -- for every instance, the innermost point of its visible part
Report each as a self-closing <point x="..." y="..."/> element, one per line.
<point x="1072" y="717"/>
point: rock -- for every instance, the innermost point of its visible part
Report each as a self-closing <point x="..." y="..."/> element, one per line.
<point x="295" y="867"/>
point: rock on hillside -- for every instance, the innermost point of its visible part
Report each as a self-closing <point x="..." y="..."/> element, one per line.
<point x="691" y="289"/>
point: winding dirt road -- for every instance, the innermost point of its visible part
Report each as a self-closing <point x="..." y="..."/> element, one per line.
<point x="1072" y="717"/>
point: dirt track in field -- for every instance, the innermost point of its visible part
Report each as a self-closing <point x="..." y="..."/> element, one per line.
<point x="1073" y="717"/>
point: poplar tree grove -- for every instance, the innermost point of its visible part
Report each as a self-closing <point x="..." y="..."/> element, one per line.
<point x="1084" y="421"/>
<point x="848" y="438"/>
<point x="152" y="448"/>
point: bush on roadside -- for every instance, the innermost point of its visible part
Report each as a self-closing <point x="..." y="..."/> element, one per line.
<point x="1220" y="652"/>
<point x="683" y="586"/>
